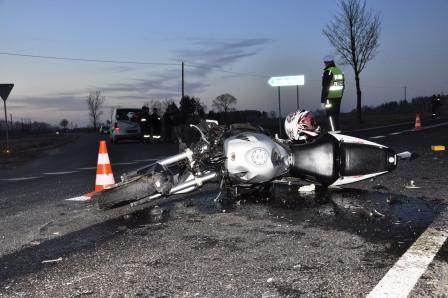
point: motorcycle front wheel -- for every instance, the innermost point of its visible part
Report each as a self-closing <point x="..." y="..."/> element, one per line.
<point x="125" y="193"/>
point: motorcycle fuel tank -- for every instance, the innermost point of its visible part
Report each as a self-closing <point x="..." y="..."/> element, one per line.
<point x="254" y="158"/>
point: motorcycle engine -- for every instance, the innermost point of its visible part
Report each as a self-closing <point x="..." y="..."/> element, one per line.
<point x="254" y="158"/>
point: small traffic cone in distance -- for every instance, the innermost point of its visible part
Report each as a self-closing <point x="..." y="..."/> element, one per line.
<point x="418" y="123"/>
<point x="104" y="176"/>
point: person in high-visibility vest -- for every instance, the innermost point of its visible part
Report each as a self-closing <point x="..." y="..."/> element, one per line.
<point x="332" y="90"/>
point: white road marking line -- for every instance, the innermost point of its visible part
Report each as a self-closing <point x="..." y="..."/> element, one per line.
<point x="87" y="168"/>
<point x="60" y="173"/>
<point x="83" y="168"/>
<point x="20" y="178"/>
<point x="79" y="199"/>
<point x="434" y="125"/>
<point x="384" y="126"/>
<point x="407" y="130"/>
<point x="398" y="124"/>
<point x="149" y="159"/>
<point x="124" y="163"/>
<point x="402" y="277"/>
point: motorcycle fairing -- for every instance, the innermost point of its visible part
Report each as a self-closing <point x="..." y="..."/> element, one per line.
<point x="254" y="158"/>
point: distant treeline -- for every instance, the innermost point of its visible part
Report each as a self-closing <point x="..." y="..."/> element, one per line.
<point x="190" y="110"/>
<point x="26" y="127"/>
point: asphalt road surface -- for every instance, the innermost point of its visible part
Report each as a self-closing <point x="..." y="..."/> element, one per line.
<point x="343" y="242"/>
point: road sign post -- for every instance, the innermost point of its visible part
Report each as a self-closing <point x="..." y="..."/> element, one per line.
<point x="5" y="90"/>
<point x="297" y="90"/>
<point x="286" y="81"/>
<point x="279" y="114"/>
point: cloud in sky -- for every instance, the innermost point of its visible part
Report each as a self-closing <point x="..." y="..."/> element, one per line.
<point x="215" y="54"/>
<point x="51" y="103"/>
<point x="162" y="83"/>
<point x="207" y="54"/>
<point x="222" y="53"/>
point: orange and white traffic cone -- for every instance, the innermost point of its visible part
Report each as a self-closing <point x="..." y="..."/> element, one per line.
<point x="418" y="122"/>
<point x="104" y="176"/>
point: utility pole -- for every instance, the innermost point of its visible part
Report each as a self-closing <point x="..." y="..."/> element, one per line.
<point x="405" y="95"/>
<point x="183" y="86"/>
<point x="10" y="122"/>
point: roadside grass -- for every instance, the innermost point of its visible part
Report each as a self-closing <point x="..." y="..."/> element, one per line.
<point x="26" y="148"/>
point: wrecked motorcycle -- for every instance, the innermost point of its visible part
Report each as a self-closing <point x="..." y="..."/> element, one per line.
<point x="249" y="159"/>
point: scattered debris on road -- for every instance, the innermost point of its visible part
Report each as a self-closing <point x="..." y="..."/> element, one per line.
<point x="52" y="261"/>
<point x="438" y="148"/>
<point x="412" y="185"/>
<point x="379" y="187"/>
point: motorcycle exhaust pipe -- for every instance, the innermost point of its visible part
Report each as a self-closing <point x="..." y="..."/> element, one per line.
<point x="194" y="183"/>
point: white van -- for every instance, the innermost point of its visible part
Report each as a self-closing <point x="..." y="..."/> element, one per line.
<point x="125" y="125"/>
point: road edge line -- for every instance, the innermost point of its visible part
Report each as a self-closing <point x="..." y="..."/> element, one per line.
<point x="404" y="275"/>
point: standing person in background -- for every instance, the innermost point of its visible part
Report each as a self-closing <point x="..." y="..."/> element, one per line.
<point x="332" y="90"/>
<point x="435" y="106"/>
<point x="170" y="123"/>
<point x="145" y="126"/>
<point x="156" y="124"/>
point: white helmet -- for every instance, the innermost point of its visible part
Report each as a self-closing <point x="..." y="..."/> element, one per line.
<point x="301" y="122"/>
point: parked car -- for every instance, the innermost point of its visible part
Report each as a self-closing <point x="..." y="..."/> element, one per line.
<point x="125" y="125"/>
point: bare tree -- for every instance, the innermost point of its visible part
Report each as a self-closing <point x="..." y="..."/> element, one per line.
<point x="224" y="103"/>
<point x="155" y="104"/>
<point x="63" y="123"/>
<point x="354" y="33"/>
<point x="94" y="102"/>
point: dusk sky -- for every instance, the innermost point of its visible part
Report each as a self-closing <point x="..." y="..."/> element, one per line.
<point x="266" y="38"/>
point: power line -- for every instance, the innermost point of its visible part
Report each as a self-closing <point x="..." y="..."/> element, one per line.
<point x="88" y="60"/>
<point x="200" y="66"/>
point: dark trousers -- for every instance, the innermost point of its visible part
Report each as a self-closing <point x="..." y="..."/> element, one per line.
<point x="333" y="106"/>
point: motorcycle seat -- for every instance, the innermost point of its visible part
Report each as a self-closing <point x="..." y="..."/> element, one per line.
<point x="360" y="159"/>
<point x="317" y="161"/>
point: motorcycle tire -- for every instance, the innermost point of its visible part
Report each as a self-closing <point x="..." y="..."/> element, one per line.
<point x="125" y="193"/>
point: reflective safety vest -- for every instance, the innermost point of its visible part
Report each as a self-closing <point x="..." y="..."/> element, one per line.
<point x="336" y="89"/>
